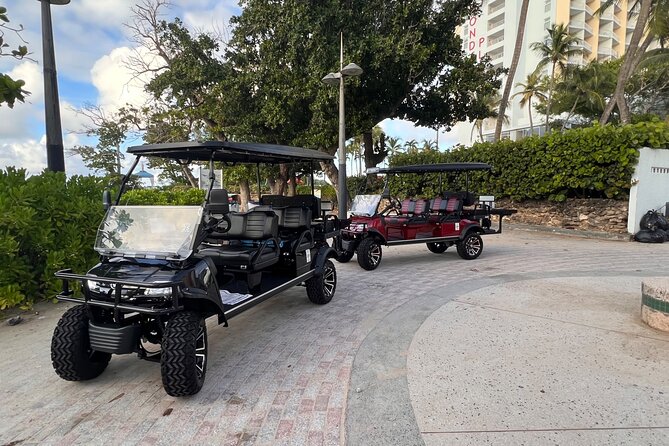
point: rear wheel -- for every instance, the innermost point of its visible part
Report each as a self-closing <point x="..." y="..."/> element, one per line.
<point x="71" y="353"/>
<point x="437" y="247"/>
<point x="344" y="256"/>
<point x="320" y="289"/>
<point x="471" y="246"/>
<point x="183" y="360"/>
<point x="369" y="253"/>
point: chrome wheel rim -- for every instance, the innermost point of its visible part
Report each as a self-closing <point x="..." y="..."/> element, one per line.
<point x="473" y="246"/>
<point x="329" y="281"/>
<point x="201" y="352"/>
<point x="374" y="254"/>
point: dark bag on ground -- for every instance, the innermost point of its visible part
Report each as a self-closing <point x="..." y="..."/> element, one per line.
<point x="653" y="220"/>
<point x="648" y="236"/>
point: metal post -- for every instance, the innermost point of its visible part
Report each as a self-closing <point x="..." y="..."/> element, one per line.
<point x="54" y="132"/>
<point x="343" y="198"/>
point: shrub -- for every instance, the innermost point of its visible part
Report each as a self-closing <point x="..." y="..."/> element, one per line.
<point x="593" y="162"/>
<point x="175" y="196"/>
<point x="46" y="223"/>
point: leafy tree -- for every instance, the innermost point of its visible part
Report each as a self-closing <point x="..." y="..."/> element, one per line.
<point x="532" y="87"/>
<point x="555" y="51"/>
<point x="512" y="69"/>
<point x="491" y="102"/>
<point x="11" y="90"/>
<point x="414" y="68"/>
<point x="584" y="90"/>
<point x="652" y="22"/>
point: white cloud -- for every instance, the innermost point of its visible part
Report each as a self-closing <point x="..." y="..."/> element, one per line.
<point x="15" y="122"/>
<point x="406" y="130"/>
<point x="30" y="154"/>
<point x="114" y="81"/>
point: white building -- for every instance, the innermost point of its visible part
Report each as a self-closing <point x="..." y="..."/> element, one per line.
<point x="493" y="33"/>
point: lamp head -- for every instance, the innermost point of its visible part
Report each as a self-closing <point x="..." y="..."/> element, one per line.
<point x="57" y="2"/>
<point x="331" y="79"/>
<point x="351" y="70"/>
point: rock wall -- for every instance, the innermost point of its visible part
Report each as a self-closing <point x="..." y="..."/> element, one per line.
<point x="599" y="215"/>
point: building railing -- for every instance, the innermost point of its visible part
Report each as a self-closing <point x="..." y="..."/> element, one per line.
<point x="494" y="8"/>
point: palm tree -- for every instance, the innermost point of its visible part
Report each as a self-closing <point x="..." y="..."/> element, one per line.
<point x="429" y="144"/>
<point x="411" y="146"/>
<point x="491" y="103"/>
<point x="393" y="145"/>
<point x="652" y="22"/>
<point x="555" y="51"/>
<point x="512" y="69"/>
<point x="533" y="87"/>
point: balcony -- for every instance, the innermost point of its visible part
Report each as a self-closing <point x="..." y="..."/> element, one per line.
<point x="495" y="40"/>
<point x="493" y="8"/>
<point x="616" y="22"/>
<point x="585" y="46"/>
<point x="495" y="3"/>
<point x="577" y="26"/>
<point x="605" y="54"/>
<point x="496" y="24"/>
<point x="496" y="54"/>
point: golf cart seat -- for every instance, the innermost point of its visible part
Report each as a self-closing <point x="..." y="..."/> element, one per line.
<point x="252" y="242"/>
<point x="294" y="228"/>
<point x="404" y="213"/>
<point x="420" y="211"/>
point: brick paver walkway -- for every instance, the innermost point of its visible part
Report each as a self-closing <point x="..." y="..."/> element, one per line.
<point x="279" y="374"/>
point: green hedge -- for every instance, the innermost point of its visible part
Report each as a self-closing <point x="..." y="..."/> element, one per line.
<point x="175" y="196"/>
<point x="46" y="223"/>
<point x="593" y="162"/>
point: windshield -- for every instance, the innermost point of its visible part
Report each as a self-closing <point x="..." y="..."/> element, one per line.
<point x="365" y="205"/>
<point x="141" y="231"/>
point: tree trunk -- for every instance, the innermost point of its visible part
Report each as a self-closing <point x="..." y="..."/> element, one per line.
<point x="512" y="69"/>
<point x="189" y="175"/>
<point x="627" y="68"/>
<point x="333" y="175"/>
<point x="244" y="195"/>
<point x="373" y="155"/>
<point x="571" y="112"/>
<point x="292" y="184"/>
<point x="550" y="98"/>
<point x="529" y="109"/>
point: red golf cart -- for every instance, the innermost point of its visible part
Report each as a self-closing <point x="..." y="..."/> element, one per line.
<point x="450" y="218"/>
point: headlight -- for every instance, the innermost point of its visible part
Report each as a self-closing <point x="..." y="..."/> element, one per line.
<point x="166" y="292"/>
<point x="93" y="286"/>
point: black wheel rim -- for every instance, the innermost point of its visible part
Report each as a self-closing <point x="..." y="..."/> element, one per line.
<point x="201" y="352"/>
<point x="473" y="246"/>
<point x="329" y="281"/>
<point x="374" y="254"/>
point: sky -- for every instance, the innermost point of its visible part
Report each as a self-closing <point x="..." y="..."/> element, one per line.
<point x="91" y="43"/>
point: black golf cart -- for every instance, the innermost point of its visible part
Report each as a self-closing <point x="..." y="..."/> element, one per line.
<point x="450" y="218"/>
<point x="164" y="269"/>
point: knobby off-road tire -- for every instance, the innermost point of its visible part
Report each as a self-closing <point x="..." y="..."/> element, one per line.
<point x="344" y="256"/>
<point x="369" y="253"/>
<point x="437" y="247"/>
<point x="471" y="246"/>
<point x="183" y="360"/>
<point x="71" y="353"/>
<point x="320" y="289"/>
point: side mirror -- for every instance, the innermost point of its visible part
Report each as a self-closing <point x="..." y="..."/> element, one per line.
<point x="106" y="199"/>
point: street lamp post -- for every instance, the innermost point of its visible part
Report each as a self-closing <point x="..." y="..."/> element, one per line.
<point x="334" y="79"/>
<point x="54" y="133"/>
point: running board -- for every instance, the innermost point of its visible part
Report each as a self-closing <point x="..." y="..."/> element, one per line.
<point x="266" y="295"/>
<point x="422" y="240"/>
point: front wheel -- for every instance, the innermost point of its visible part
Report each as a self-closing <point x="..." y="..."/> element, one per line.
<point x="437" y="247"/>
<point x="71" y="353"/>
<point x="183" y="360"/>
<point x="369" y="253"/>
<point x="320" y="289"/>
<point x="471" y="246"/>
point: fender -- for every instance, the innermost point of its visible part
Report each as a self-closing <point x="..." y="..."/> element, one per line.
<point x="324" y="253"/>
<point x="202" y="294"/>
<point x="377" y="235"/>
<point x="470" y="226"/>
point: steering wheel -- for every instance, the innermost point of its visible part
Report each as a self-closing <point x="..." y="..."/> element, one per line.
<point x="396" y="204"/>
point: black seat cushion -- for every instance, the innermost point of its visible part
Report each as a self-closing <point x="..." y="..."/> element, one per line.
<point x="243" y="256"/>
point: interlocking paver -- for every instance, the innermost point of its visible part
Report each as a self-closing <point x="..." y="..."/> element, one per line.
<point x="280" y="373"/>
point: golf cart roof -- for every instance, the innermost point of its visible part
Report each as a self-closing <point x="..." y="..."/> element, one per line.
<point x="432" y="168"/>
<point x="228" y="151"/>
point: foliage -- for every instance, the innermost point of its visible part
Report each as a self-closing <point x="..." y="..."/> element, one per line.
<point x="177" y="196"/>
<point x="47" y="223"/>
<point x="591" y="162"/>
<point x="11" y="90"/>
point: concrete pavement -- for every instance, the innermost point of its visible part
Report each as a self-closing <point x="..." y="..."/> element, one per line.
<point x="369" y="367"/>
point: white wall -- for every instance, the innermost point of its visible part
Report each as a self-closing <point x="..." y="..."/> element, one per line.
<point x="650" y="185"/>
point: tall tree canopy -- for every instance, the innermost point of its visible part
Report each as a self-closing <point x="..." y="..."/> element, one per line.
<point x="414" y="67"/>
<point x="11" y="90"/>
